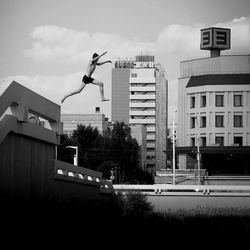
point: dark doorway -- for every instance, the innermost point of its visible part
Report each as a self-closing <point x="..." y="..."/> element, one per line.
<point x="226" y="164"/>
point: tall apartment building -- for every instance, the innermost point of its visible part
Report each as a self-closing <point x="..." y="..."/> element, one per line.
<point x="139" y="97"/>
<point x="214" y="108"/>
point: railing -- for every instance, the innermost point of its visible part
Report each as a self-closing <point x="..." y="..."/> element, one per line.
<point x="183" y="175"/>
<point x="185" y="190"/>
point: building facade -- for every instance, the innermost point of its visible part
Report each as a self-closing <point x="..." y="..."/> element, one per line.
<point x="139" y="133"/>
<point x="144" y="103"/>
<point x="97" y="120"/>
<point x="214" y="114"/>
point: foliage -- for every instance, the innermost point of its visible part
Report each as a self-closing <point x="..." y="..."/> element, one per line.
<point x="106" y="167"/>
<point x="115" y="149"/>
<point x="134" y="205"/>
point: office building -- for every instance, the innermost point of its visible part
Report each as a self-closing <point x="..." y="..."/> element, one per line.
<point x="141" y="89"/>
<point x="214" y="109"/>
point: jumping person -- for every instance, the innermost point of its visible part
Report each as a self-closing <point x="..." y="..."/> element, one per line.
<point x="88" y="79"/>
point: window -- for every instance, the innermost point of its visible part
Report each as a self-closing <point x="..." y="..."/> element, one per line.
<point x="192" y="102"/>
<point x="237" y="100"/>
<point x="219" y="100"/>
<point x="238" y="121"/>
<point x="192" y="141"/>
<point x="133" y="75"/>
<point x="203" y="101"/>
<point x="192" y="122"/>
<point x="238" y="140"/>
<point x="150" y="157"/>
<point x="203" y="122"/>
<point x="203" y="141"/>
<point x="219" y="121"/>
<point x="219" y="140"/>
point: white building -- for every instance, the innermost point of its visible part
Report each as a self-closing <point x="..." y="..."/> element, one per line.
<point x="146" y="93"/>
<point x="214" y="111"/>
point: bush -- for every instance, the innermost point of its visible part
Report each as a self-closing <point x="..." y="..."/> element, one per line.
<point x="134" y="205"/>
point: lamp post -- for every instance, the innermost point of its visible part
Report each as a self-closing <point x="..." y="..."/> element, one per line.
<point x="173" y="132"/>
<point x="75" y="155"/>
<point x="198" y="151"/>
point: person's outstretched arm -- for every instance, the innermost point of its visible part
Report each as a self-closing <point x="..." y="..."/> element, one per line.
<point x="101" y="63"/>
<point x="96" y="58"/>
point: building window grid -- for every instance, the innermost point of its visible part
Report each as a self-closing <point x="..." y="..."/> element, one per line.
<point x="192" y="122"/>
<point x="203" y="122"/>
<point x="238" y="101"/>
<point x="203" y="141"/>
<point x="219" y="140"/>
<point x="203" y="101"/>
<point x="238" y="121"/>
<point x="219" y="100"/>
<point x="219" y="121"/>
<point x="192" y="141"/>
<point x="192" y="102"/>
<point x="238" y="140"/>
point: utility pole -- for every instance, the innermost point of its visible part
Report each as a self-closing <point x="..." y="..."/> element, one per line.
<point x="173" y="132"/>
<point x="198" y="152"/>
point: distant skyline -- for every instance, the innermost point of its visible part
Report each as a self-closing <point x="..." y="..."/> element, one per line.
<point x="46" y="44"/>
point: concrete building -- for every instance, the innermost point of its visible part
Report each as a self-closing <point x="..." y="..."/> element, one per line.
<point x="214" y="109"/>
<point x="120" y="90"/>
<point x="95" y="120"/>
<point x="139" y="132"/>
<point x="141" y="89"/>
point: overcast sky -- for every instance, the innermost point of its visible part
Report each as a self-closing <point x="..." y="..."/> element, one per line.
<point x="46" y="44"/>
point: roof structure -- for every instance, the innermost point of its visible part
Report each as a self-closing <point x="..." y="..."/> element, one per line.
<point x="219" y="79"/>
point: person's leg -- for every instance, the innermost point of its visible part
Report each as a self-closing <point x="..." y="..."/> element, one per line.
<point x="77" y="91"/>
<point x="100" y="84"/>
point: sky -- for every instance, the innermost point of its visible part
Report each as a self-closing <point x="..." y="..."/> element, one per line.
<point x="45" y="45"/>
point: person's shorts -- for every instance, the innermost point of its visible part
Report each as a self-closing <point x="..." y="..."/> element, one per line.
<point x="87" y="79"/>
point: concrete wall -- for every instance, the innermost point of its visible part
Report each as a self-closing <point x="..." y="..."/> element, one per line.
<point x="70" y="121"/>
<point x="120" y="95"/>
<point x="26" y="167"/>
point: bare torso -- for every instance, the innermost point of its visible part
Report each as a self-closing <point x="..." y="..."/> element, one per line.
<point x="91" y="68"/>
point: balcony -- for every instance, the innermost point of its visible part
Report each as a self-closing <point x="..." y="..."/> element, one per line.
<point x="142" y="97"/>
<point x="150" y="137"/>
<point x="150" y="145"/>
<point x="142" y="105"/>
<point x="150" y="153"/>
<point x="142" y="79"/>
<point x="142" y="121"/>
<point x="150" y="129"/>
<point x="142" y="88"/>
<point x="142" y="113"/>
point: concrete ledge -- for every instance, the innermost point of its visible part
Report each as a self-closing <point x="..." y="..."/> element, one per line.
<point x="11" y="124"/>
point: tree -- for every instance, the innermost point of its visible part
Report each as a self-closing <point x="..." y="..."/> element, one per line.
<point x="124" y="151"/>
<point x="106" y="168"/>
<point x="114" y="149"/>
